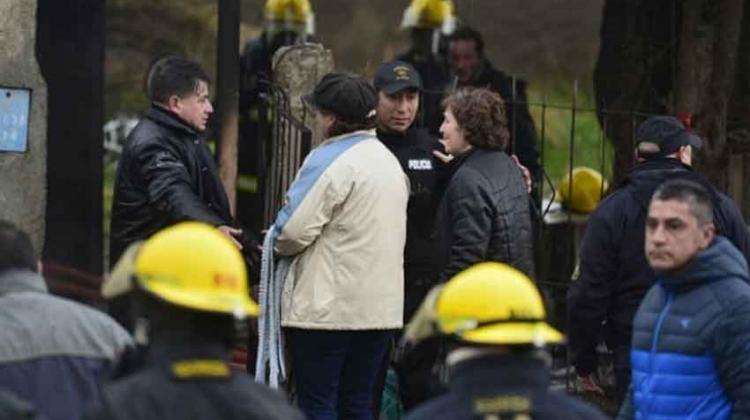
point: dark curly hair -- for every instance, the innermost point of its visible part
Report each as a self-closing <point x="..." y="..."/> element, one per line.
<point x="480" y="114"/>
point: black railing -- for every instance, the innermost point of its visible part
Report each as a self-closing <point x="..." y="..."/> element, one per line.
<point x="285" y="149"/>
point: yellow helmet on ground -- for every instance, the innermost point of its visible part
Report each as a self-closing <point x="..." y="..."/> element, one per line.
<point x="191" y="265"/>
<point x="290" y="14"/>
<point x="493" y="303"/>
<point x="430" y="14"/>
<point x="587" y="189"/>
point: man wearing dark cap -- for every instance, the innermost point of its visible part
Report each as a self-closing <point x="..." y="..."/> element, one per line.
<point x="342" y="231"/>
<point x="614" y="274"/>
<point x="399" y="86"/>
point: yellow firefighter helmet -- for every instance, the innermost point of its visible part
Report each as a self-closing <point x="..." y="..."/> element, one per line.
<point x="290" y="14"/>
<point x="586" y="191"/>
<point x="191" y="265"/>
<point x="430" y="14"/>
<point x="488" y="303"/>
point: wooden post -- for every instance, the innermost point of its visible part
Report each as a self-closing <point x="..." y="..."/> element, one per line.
<point x="227" y="99"/>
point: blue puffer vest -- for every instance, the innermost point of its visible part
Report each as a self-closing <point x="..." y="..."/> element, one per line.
<point x="675" y="332"/>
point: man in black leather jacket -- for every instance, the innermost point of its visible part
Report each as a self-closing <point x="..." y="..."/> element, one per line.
<point x="166" y="173"/>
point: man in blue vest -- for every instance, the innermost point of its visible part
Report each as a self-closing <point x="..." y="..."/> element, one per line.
<point x="691" y="335"/>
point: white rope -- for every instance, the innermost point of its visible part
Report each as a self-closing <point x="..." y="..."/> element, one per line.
<point x="266" y="267"/>
<point x="270" y="358"/>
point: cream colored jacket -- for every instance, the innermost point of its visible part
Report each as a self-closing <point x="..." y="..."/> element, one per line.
<point x="347" y="232"/>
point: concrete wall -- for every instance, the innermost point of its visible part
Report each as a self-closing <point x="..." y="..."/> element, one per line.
<point x="22" y="175"/>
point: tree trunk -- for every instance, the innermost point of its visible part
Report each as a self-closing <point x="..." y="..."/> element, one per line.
<point x="679" y="57"/>
<point x="720" y="24"/>
<point x="738" y="120"/>
<point x="634" y="70"/>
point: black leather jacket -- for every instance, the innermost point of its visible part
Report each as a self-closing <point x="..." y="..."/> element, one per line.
<point x="523" y="138"/>
<point x="484" y="215"/>
<point x="166" y="175"/>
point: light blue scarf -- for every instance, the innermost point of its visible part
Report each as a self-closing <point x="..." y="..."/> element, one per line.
<point x="269" y="365"/>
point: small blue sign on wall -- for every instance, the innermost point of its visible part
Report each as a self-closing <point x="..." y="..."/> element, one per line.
<point x="14" y="119"/>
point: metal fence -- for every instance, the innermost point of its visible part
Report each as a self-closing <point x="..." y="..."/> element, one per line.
<point x="285" y="148"/>
<point x="570" y="136"/>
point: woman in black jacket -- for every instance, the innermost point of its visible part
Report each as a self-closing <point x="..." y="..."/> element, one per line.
<point x="484" y="214"/>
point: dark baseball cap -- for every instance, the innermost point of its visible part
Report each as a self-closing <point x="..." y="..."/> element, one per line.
<point x="666" y="132"/>
<point x="395" y="76"/>
<point x="348" y="96"/>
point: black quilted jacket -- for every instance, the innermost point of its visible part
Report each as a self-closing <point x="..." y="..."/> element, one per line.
<point x="166" y="175"/>
<point x="484" y="215"/>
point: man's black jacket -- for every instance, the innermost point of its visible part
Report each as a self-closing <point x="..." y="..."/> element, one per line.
<point x="484" y="215"/>
<point x="614" y="273"/>
<point x="189" y="378"/>
<point x="520" y="124"/>
<point x="511" y="386"/>
<point x="166" y="175"/>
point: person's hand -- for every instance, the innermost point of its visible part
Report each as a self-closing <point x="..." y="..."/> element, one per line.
<point x="524" y="173"/>
<point x="232" y="234"/>
<point x="589" y="384"/>
<point x="445" y="158"/>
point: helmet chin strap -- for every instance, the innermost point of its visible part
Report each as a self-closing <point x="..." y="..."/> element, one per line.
<point x="435" y="47"/>
<point x="141" y="331"/>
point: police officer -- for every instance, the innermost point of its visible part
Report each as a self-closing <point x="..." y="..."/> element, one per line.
<point x="399" y="86"/>
<point x="494" y="319"/>
<point x="190" y="289"/>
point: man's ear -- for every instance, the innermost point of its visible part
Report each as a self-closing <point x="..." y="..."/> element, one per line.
<point x="173" y="103"/>
<point x="686" y="155"/>
<point x="709" y="233"/>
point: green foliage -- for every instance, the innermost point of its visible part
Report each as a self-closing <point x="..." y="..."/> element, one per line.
<point x="553" y="117"/>
<point x="140" y="31"/>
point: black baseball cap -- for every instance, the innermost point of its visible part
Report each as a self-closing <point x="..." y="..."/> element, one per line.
<point x="348" y="96"/>
<point x="395" y="76"/>
<point x="668" y="133"/>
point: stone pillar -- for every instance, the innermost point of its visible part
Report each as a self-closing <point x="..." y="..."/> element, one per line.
<point x="297" y="69"/>
<point x="23" y="189"/>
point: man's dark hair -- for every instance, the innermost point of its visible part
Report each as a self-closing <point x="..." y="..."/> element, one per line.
<point x="173" y="75"/>
<point x="693" y="194"/>
<point x="467" y="33"/>
<point x="16" y="251"/>
<point x="480" y="114"/>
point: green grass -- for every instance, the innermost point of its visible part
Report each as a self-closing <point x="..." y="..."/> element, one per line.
<point x="553" y="123"/>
